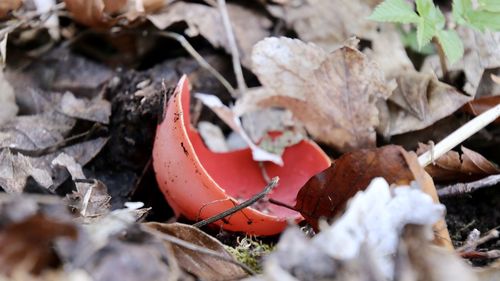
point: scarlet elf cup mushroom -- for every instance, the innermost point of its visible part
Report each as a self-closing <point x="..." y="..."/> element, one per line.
<point x="199" y="183"/>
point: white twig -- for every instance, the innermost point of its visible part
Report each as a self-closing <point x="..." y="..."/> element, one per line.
<point x="460" y="135"/>
<point x="463" y="188"/>
<point x="238" y="71"/>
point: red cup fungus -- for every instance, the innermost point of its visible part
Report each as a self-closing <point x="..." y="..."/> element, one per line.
<point x="199" y="183"/>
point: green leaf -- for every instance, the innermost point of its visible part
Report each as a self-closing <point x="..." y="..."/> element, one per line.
<point x="489" y="5"/>
<point x="484" y="20"/>
<point x="451" y="44"/>
<point x="486" y="16"/>
<point x="425" y="32"/>
<point x="409" y="40"/>
<point x="459" y="7"/>
<point x="394" y="11"/>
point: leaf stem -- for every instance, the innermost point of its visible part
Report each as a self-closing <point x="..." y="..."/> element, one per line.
<point x="442" y="59"/>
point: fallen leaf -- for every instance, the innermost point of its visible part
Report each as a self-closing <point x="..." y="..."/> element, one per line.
<point x="91" y="199"/>
<point x="96" y="110"/>
<point x="6" y="6"/>
<point x="481" y="58"/>
<point x="326" y="194"/>
<point x="203" y="266"/>
<point x="94" y="12"/>
<point x="418" y="102"/>
<point x="262" y="121"/>
<point x="333" y="95"/>
<point x="130" y="261"/>
<point x="480" y="105"/>
<point x="35" y="132"/>
<point x="452" y="167"/>
<point x="249" y="26"/>
<point x="82" y="152"/>
<point x="105" y="13"/>
<point x="8" y="107"/>
<point x="327" y="23"/>
<point x="26" y="240"/>
<point x="15" y="170"/>
<point x="227" y="115"/>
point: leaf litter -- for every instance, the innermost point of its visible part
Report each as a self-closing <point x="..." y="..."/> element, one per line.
<point x="55" y="124"/>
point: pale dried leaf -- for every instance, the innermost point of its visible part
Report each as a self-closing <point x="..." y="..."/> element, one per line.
<point x="35" y="132"/>
<point x="418" y="102"/>
<point x="227" y="115"/>
<point x="388" y="52"/>
<point x="82" y="152"/>
<point x="213" y="137"/>
<point x="97" y="110"/>
<point x="327" y="23"/>
<point x="203" y="266"/>
<point x="333" y="95"/>
<point x="8" y="107"/>
<point x="482" y="53"/>
<point x="248" y="26"/>
<point x="262" y="121"/>
<point x="15" y="170"/>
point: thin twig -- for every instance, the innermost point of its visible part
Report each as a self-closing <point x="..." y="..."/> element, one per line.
<point x="203" y="63"/>
<point x="238" y="71"/>
<point x="464" y="188"/>
<point x="460" y="135"/>
<point x="243" y="205"/>
<point x="493" y="254"/>
<point x="490" y="235"/>
<point x="195" y="248"/>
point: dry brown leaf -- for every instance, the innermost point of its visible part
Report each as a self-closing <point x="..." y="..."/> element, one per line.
<point x="96" y="110"/>
<point x="249" y="27"/>
<point x="418" y="102"/>
<point x="15" y="170"/>
<point x="327" y="23"/>
<point x="452" y="167"/>
<point x="8" y="107"/>
<point x="203" y="266"/>
<point x="333" y="95"/>
<point x="28" y="243"/>
<point x="481" y="58"/>
<point x="480" y="105"/>
<point x="90" y="199"/>
<point x="104" y="13"/>
<point x="6" y="6"/>
<point x="35" y="132"/>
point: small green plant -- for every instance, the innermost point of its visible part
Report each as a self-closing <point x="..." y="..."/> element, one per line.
<point x="430" y="21"/>
<point x="250" y="251"/>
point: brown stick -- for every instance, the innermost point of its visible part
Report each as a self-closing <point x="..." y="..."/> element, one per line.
<point x="270" y="186"/>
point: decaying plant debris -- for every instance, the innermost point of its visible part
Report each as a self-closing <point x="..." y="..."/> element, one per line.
<point x="277" y="91"/>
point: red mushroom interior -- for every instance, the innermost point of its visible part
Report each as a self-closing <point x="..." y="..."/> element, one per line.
<point x="241" y="177"/>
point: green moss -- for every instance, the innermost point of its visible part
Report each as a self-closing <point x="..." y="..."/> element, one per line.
<point x="250" y="251"/>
